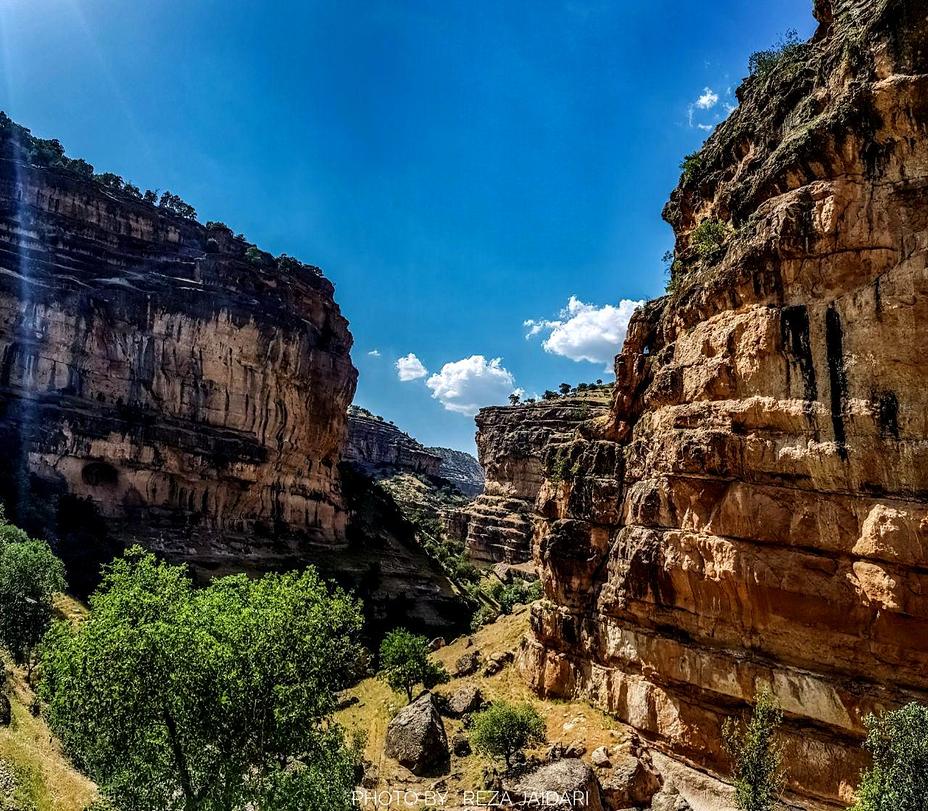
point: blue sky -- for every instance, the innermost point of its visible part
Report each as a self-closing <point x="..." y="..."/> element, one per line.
<point x="456" y="168"/>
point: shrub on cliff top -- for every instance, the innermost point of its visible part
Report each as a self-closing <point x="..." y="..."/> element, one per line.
<point x="898" y="779"/>
<point x="689" y="166"/>
<point x="756" y="755"/>
<point x="761" y="63"/>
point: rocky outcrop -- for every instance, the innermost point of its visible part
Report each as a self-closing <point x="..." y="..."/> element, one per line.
<point x="461" y="469"/>
<point x="378" y="447"/>
<point x="416" y="737"/>
<point x="511" y="442"/>
<point x="162" y="382"/>
<point x="755" y="509"/>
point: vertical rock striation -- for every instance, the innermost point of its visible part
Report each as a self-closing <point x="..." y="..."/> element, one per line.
<point x="379" y="447"/>
<point x="511" y="442"/>
<point x="160" y="386"/>
<point x="755" y="510"/>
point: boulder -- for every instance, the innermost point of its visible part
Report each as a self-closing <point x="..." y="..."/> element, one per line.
<point x="437" y="643"/>
<point x="460" y="744"/>
<point x="6" y="711"/>
<point x="564" y="785"/>
<point x="416" y="737"/>
<point x="467" y="664"/>
<point x="575" y="749"/>
<point x="466" y="699"/>
<point x="630" y="783"/>
<point x="669" y="799"/>
<point x="600" y="757"/>
<point x="497" y="662"/>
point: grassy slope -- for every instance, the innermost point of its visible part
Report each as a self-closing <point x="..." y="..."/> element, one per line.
<point x="566" y="721"/>
<point x="43" y="773"/>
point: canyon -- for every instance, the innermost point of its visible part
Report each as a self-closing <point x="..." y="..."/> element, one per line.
<point x="753" y="510"/>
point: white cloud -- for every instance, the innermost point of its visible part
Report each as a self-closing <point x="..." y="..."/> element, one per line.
<point x="585" y="331"/>
<point x="374" y="353"/>
<point x="707" y="99"/>
<point x="464" y="386"/>
<point x="410" y="368"/>
<point x="706" y="127"/>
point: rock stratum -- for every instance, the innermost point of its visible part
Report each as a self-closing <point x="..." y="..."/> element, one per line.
<point x="754" y="509"/>
<point x="377" y="446"/>
<point x="511" y="443"/>
<point x="162" y="382"/>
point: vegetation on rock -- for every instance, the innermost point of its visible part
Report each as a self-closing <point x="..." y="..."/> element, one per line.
<point x="173" y="697"/>
<point x="504" y="729"/>
<point x="708" y="238"/>
<point x="898" y="779"/>
<point x="756" y="756"/>
<point x="404" y="662"/>
<point x="761" y="63"/>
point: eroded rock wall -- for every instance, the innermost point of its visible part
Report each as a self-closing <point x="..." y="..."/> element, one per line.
<point x="511" y="443"/>
<point x="159" y="387"/>
<point x="755" y="510"/>
<point x="376" y="447"/>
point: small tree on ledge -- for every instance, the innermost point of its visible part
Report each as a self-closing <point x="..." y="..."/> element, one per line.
<point x="756" y="755"/>
<point x="505" y="729"/>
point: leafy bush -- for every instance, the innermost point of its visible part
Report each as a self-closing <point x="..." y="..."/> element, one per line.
<point x="504" y="729"/>
<point x="30" y="576"/>
<point x="177" y="698"/>
<point x="898" y="779"/>
<point x="708" y="238"/>
<point x="756" y="755"/>
<point x="689" y="166"/>
<point x="405" y="662"/>
<point x="762" y="63"/>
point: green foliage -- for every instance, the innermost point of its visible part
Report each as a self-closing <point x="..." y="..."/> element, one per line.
<point x="174" y="204"/>
<point x="689" y="166"/>
<point x="549" y="395"/>
<point x="518" y="593"/>
<point x="405" y="662"/>
<point x="112" y="181"/>
<point x="483" y="615"/>
<point x="172" y="697"/>
<point x="30" y="576"/>
<point x="255" y="255"/>
<point x="150" y="196"/>
<point x="288" y="264"/>
<point x="708" y="238"/>
<point x="756" y="756"/>
<point x="504" y="729"/>
<point x="762" y="63"/>
<point x="898" y="779"/>
<point x="564" y="388"/>
<point x="514" y="399"/>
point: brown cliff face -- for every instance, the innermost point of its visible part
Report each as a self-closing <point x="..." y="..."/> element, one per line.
<point x="511" y="443"/>
<point x="756" y="510"/>
<point x="376" y="446"/>
<point x="158" y="386"/>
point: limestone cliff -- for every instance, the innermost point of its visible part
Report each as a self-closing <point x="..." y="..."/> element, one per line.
<point x="161" y="382"/>
<point x="511" y="442"/>
<point x="376" y="446"/>
<point x="461" y="469"/>
<point x="755" y="508"/>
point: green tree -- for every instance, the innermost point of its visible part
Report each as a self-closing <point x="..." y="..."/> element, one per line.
<point x="756" y="756"/>
<point x="564" y="388"/>
<point x="504" y="729"/>
<point x="514" y="399"/>
<point x="898" y="779"/>
<point x="405" y="662"/>
<point x="175" y="698"/>
<point x="30" y="576"/>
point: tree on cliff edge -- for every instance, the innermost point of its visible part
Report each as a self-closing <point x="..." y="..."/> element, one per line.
<point x="186" y="699"/>
<point x="756" y="755"/>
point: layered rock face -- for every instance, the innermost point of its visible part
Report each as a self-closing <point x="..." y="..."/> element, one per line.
<point x="461" y="469"/>
<point x="754" y="510"/>
<point x="158" y="386"/>
<point x="511" y="443"/>
<point x="376" y="446"/>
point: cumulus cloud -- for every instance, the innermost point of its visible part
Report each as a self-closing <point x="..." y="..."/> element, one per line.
<point x="707" y="99"/>
<point x="374" y="353"/>
<point x="410" y="368"/>
<point x="464" y="386"/>
<point x="585" y="332"/>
